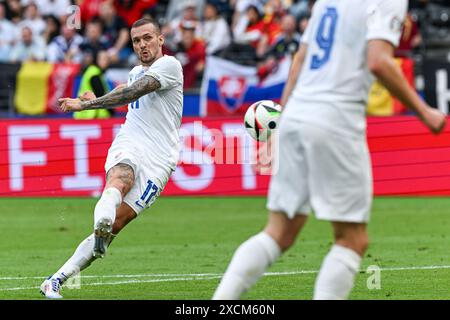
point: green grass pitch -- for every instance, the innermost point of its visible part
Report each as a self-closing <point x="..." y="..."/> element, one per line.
<point x="180" y="247"/>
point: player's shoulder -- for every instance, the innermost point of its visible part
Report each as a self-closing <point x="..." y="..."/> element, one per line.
<point x="389" y="5"/>
<point x="168" y="61"/>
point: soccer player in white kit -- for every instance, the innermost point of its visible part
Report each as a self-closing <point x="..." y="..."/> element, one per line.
<point x="143" y="154"/>
<point x="323" y="160"/>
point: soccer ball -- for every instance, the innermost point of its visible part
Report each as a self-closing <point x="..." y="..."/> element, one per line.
<point x="261" y="118"/>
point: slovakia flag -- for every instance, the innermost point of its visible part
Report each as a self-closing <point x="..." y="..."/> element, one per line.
<point x="229" y="88"/>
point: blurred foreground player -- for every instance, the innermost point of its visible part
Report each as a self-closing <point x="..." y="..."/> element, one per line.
<point x="323" y="160"/>
<point x="144" y="153"/>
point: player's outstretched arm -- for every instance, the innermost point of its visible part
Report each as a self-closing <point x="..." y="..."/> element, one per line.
<point x="382" y="64"/>
<point x="118" y="97"/>
<point x="89" y="95"/>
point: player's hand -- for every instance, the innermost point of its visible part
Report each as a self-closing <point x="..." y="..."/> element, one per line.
<point x="68" y="104"/>
<point x="87" y="95"/>
<point x="264" y="157"/>
<point x="435" y="120"/>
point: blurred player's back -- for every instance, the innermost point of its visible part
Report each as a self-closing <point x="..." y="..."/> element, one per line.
<point x="323" y="158"/>
<point x="335" y="69"/>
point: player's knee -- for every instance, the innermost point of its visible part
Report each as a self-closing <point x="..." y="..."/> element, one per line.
<point x="123" y="186"/>
<point x="284" y="241"/>
<point x="287" y="242"/>
<point x="120" y="177"/>
<point x="363" y="243"/>
<point x="284" y="230"/>
<point x="358" y="243"/>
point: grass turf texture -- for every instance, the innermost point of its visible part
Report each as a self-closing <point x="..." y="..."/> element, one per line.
<point x="159" y="251"/>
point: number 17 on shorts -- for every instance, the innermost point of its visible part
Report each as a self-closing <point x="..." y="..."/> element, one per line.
<point x="149" y="196"/>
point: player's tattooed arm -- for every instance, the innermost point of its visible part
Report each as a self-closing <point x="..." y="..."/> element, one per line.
<point x="123" y="95"/>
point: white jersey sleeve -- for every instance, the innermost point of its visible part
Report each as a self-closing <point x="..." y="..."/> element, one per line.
<point x="167" y="71"/>
<point x="385" y="20"/>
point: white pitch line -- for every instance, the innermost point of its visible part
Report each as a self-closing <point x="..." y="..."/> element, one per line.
<point x="282" y="273"/>
<point x="194" y="277"/>
<point x="122" y="282"/>
<point x="124" y="276"/>
<point x="360" y="270"/>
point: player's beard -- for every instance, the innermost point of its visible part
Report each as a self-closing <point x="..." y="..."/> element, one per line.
<point x="147" y="60"/>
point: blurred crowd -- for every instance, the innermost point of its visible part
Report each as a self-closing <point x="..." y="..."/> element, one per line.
<point x="246" y="31"/>
<point x="251" y="32"/>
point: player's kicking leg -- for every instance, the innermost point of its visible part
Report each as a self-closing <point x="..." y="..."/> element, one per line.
<point x="254" y="256"/>
<point x="110" y="216"/>
<point x="119" y="181"/>
<point x="337" y="274"/>
<point x="84" y="255"/>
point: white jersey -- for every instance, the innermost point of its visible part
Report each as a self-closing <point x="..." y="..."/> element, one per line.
<point x="334" y="82"/>
<point x="153" y="121"/>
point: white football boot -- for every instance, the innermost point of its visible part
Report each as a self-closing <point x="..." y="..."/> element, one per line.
<point x="51" y="288"/>
<point x="102" y="236"/>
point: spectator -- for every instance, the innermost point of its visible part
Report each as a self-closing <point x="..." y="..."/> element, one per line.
<point x="115" y="31"/>
<point x="33" y="20"/>
<point x="93" y="43"/>
<point x="57" y="8"/>
<point x="302" y="8"/>
<point x="30" y="48"/>
<point x="215" y="30"/>
<point x="8" y="35"/>
<point x="247" y="30"/>
<point x="239" y="19"/>
<point x="172" y="31"/>
<point x="191" y="53"/>
<point x="94" y="80"/>
<point x="52" y="29"/>
<point x="274" y="12"/>
<point x="251" y="34"/>
<point x="176" y="9"/>
<point x="89" y="9"/>
<point x="13" y="11"/>
<point x="287" y="41"/>
<point x="223" y="8"/>
<point x="132" y="10"/>
<point x="65" y="46"/>
<point x="260" y="31"/>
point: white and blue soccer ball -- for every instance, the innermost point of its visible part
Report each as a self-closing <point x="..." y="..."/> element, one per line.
<point x="262" y="118"/>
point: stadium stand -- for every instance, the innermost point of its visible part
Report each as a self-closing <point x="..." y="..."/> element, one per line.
<point x="251" y="31"/>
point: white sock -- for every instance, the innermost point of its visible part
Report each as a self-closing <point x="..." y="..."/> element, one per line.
<point x="249" y="263"/>
<point x="107" y="205"/>
<point x="337" y="274"/>
<point x="80" y="260"/>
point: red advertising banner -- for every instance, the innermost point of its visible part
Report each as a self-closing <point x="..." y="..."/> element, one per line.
<point x="66" y="158"/>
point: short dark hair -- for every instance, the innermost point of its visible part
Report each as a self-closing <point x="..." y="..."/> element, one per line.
<point x="145" y="21"/>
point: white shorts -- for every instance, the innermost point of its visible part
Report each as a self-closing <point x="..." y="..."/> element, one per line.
<point x="323" y="170"/>
<point x="151" y="176"/>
